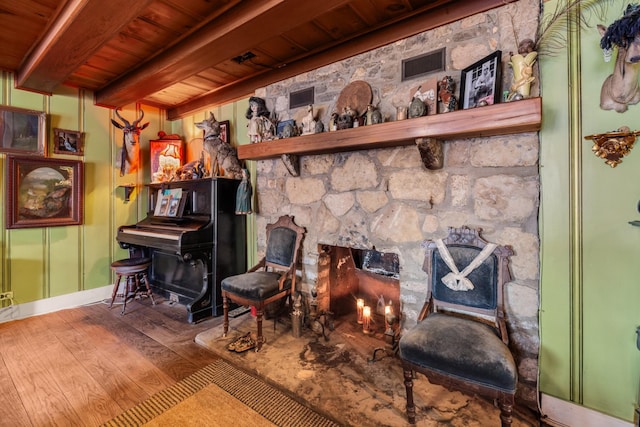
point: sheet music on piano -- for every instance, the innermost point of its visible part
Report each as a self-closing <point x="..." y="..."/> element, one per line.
<point x="170" y="202"/>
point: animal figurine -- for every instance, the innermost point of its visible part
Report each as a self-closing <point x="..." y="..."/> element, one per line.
<point x="128" y="158"/>
<point x="308" y="122"/>
<point x="445" y="94"/>
<point x="191" y="170"/>
<point x="620" y="89"/>
<point x="220" y="152"/>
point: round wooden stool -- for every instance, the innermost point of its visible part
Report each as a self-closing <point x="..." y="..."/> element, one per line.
<point x="132" y="269"/>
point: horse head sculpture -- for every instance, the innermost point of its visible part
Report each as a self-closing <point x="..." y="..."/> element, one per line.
<point x="221" y="154"/>
<point x="129" y="156"/>
<point x="620" y="89"/>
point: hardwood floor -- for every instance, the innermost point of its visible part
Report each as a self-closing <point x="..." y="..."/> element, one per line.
<point x="83" y="366"/>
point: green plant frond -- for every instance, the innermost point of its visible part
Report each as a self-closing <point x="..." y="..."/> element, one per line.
<point x="568" y="15"/>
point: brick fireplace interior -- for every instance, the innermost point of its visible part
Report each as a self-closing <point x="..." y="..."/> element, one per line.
<point x="346" y="274"/>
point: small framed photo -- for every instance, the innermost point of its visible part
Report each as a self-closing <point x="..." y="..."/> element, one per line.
<point x="479" y="83"/>
<point x="290" y="125"/>
<point x="43" y="192"/>
<point x="68" y="142"/>
<point x="225" y="131"/>
<point x="22" y="131"/>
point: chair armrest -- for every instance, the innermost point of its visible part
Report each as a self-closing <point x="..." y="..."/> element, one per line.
<point x="259" y="265"/>
<point x="285" y="275"/>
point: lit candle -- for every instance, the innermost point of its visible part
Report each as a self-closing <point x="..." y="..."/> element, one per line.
<point x="366" y="319"/>
<point x="359" y="306"/>
<point x="387" y="313"/>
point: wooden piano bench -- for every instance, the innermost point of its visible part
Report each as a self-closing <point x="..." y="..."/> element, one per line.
<point x="134" y="270"/>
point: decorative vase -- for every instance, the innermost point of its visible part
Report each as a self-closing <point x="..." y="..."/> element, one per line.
<point x="522" y="66"/>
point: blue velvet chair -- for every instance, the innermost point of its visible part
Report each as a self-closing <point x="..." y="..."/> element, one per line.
<point x="272" y="279"/>
<point x="460" y="340"/>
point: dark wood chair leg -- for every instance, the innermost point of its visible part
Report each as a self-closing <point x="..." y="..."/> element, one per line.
<point x="259" y="339"/>
<point x="408" y="384"/>
<point x="225" y="310"/>
<point x="506" y="410"/>
<point x="115" y="289"/>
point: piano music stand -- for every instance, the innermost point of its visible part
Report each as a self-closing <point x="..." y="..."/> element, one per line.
<point x="131" y="269"/>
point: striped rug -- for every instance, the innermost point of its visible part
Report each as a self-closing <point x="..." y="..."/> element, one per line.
<point x="267" y="401"/>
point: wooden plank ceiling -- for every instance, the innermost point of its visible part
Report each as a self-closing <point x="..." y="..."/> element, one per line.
<point x="186" y="55"/>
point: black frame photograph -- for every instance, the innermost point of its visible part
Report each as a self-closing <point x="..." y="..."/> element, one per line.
<point x="22" y="131"/>
<point x="479" y="83"/>
<point x="67" y="141"/>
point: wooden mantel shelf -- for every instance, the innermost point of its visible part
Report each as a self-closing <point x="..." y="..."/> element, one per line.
<point x="499" y="119"/>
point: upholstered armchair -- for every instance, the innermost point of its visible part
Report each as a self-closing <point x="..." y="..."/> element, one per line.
<point x="272" y="279"/>
<point x="460" y="340"/>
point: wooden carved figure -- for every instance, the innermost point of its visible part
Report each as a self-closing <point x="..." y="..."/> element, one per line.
<point x="128" y="158"/>
<point x="620" y="89"/>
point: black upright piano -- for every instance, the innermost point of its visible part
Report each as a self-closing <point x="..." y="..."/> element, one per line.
<point x="191" y="253"/>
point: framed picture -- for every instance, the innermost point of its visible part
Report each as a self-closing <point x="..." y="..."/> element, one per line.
<point x="22" y="131"/>
<point x="166" y="158"/>
<point x="479" y="83"/>
<point x="43" y="192"/>
<point x="68" y="142"/>
<point x="280" y="129"/>
<point x="225" y="131"/>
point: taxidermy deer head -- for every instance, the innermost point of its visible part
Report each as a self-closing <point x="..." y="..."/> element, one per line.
<point x="620" y="89"/>
<point x="128" y="157"/>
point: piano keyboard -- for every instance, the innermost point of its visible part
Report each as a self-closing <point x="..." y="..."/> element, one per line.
<point x="139" y="232"/>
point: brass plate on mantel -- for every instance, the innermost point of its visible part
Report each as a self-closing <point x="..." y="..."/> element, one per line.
<point x="356" y="95"/>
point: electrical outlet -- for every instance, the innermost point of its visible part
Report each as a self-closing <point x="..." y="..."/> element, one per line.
<point x="6" y="295"/>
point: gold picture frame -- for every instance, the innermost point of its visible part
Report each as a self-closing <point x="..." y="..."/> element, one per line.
<point x="22" y="131"/>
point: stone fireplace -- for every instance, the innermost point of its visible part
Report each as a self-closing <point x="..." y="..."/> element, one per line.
<point x="386" y="199"/>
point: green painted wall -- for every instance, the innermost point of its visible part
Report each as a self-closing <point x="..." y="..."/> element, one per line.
<point x="39" y="263"/>
<point x="590" y="268"/>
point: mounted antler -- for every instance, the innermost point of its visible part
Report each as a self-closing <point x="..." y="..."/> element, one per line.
<point x="129" y="155"/>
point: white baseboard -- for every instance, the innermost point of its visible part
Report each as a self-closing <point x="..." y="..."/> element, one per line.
<point x="49" y="305"/>
<point x="561" y="413"/>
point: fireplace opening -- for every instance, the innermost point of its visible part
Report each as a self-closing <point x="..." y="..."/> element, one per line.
<point x="346" y="275"/>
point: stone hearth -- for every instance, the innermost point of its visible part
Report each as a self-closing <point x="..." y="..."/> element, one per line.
<point x="335" y="376"/>
<point x="386" y="199"/>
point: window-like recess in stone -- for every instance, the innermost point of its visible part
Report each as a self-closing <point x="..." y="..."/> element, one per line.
<point x="423" y="64"/>
<point x="301" y="98"/>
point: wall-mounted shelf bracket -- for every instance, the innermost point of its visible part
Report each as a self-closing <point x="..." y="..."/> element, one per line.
<point x="430" y="150"/>
<point x="128" y="190"/>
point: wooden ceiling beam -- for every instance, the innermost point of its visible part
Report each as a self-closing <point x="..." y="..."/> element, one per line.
<point x="444" y="14"/>
<point x="79" y="30"/>
<point x="222" y="39"/>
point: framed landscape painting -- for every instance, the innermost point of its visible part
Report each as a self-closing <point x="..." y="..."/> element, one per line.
<point x="22" y="131"/>
<point x="43" y="192"/>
